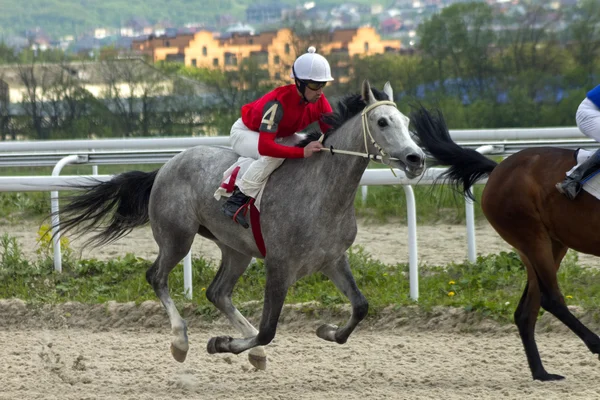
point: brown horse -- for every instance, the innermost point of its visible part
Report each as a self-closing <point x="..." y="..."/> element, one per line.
<point x="522" y="204"/>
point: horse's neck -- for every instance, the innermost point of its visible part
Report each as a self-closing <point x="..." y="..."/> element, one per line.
<point x="347" y="169"/>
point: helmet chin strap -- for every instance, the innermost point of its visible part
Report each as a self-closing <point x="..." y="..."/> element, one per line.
<point x="300" y="85"/>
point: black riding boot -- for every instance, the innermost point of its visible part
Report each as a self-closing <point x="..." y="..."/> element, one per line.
<point x="233" y="204"/>
<point x="573" y="184"/>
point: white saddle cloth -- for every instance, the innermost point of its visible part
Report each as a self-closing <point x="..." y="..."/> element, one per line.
<point x="593" y="185"/>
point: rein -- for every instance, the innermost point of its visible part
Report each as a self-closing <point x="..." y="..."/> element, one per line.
<point x="375" y="157"/>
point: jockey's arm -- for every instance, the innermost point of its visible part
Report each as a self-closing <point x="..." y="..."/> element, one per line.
<point x="268" y="147"/>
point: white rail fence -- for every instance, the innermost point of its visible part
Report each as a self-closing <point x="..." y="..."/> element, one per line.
<point x="159" y="150"/>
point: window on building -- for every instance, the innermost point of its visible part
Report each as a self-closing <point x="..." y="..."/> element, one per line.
<point x="230" y="59"/>
<point x="215" y="62"/>
<point x="276" y="60"/>
<point x="277" y="75"/>
<point x="250" y="41"/>
<point x="194" y="62"/>
<point x="178" y="58"/>
<point x="260" y="57"/>
<point x="168" y="44"/>
<point x="204" y="51"/>
<point x="287" y="48"/>
<point x="366" y="47"/>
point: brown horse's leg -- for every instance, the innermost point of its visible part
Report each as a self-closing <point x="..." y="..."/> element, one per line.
<point x="525" y="318"/>
<point x="543" y="263"/>
<point x="554" y="302"/>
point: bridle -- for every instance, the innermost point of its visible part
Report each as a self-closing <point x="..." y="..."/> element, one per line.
<point x="375" y="157"/>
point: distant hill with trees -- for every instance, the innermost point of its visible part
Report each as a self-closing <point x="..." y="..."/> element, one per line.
<point x="62" y="17"/>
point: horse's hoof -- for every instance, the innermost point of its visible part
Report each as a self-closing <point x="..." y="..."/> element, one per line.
<point x="178" y="355"/>
<point x="327" y="332"/>
<point x="218" y="344"/>
<point x="258" y="362"/>
<point x="546" y="377"/>
<point x="211" y="346"/>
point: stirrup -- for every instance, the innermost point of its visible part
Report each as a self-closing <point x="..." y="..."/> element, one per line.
<point x="236" y="213"/>
<point x="569" y="188"/>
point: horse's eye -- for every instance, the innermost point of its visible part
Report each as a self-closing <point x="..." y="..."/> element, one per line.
<point x="382" y="122"/>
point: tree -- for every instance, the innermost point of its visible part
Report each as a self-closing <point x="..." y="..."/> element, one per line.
<point x="33" y="79"/>
<point x="585" y="34"/>
<point x="132" y="94"/>
<point x="459" y="42"/>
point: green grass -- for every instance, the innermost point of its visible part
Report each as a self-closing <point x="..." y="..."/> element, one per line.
<point x="490" y="287"/>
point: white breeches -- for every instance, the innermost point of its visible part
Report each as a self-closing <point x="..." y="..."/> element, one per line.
<point x="245" y="142"/>
<point x="588" y="119"/>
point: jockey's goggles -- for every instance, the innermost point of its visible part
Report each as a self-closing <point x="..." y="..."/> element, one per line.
<point x="312" y="85"/>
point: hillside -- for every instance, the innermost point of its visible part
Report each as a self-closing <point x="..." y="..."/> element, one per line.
<point x="61" y="17"/>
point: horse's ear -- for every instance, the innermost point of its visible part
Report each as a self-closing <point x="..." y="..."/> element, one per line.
<point x="387" y="89"/>
<point x="367" y="94"/>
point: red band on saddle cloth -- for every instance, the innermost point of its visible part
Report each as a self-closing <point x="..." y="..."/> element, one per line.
<point x="256" y="231"/>
<point x="230" y="185"/>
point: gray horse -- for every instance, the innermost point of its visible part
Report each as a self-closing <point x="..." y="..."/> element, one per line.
<point x="307" y="218"/>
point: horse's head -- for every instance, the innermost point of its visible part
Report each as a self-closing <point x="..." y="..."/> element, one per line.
<point x="389" y="134"/>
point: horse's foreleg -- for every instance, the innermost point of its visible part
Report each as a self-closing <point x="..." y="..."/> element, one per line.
<point x="275" y="291"/>
<point x="341" y="275"/>
<point x="233" y="265"/>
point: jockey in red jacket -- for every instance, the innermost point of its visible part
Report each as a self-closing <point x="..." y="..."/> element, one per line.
<point x="267" y="129"/>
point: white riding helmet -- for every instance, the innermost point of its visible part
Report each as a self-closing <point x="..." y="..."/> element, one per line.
<point x="311" y="67"/>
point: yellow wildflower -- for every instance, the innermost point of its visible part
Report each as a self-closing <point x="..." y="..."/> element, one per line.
<point x="569" y="297"/>
<point x="451" y="294"/>
<point x="451" y="283"/>
<point x="203" y="289"/>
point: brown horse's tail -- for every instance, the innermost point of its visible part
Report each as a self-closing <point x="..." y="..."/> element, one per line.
<point x="111" y="209"/>
<point x="466" y="166"/>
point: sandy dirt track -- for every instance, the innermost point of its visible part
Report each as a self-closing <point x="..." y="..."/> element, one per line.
<point x="121" y="351"/>
<point x="123" y="354"/>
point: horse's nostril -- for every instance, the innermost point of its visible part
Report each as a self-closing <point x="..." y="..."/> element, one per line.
<point x="414" y="159"/>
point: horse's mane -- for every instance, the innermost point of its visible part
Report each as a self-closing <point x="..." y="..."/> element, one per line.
<point x="346" y="108"/>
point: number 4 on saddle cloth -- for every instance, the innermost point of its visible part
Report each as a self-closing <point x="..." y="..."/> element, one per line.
<point x="591" y="179"/>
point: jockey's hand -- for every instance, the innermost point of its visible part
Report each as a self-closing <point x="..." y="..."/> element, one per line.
<point x="311" y="148"/>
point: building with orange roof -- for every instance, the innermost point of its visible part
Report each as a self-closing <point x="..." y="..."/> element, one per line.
<point x="274" y="51"/>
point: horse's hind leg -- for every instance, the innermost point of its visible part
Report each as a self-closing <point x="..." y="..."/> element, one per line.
<point x="341" y="275"/>
<point x="542" y="261"/>
<point x="172" y="249"/>
<point x="233" y="265"/>
<point x="553" y="301"/>
<point x="277" y="285"/>
<point x="525" y="318"/>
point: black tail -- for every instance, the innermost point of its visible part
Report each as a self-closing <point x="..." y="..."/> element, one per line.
<point x="466" y="166"/>
<point x="112" y="208"/>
